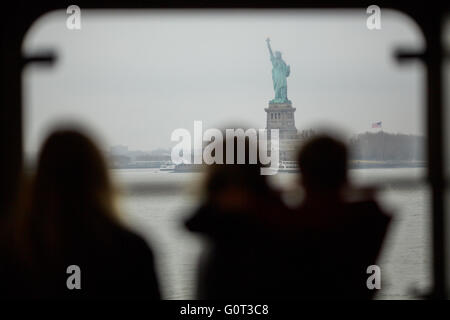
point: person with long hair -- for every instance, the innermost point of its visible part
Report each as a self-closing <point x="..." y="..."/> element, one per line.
<point x="66" y="222"/>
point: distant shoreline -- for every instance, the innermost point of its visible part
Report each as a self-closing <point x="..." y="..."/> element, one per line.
<point x="353" y="164"/>
<point x="371" y="164"/>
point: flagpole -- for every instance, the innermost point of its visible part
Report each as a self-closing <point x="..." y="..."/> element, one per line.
<point x="379" y="125"/>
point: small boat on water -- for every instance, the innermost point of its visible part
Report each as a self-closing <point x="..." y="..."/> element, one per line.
<point x="189" y="167"/>
<point x="288" y="166"/>
<point x="167" y="167"/>
<point x="285" y="166"/>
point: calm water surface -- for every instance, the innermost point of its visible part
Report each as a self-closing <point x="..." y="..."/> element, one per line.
<point x="158" y="216"/>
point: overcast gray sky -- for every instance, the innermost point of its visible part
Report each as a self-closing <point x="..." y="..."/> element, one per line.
<point x="135" y="76"/>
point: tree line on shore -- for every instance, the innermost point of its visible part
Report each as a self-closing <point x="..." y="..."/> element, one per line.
<point x="384" y="146"/>
<point x="381" y="146"/>
<point x="371" y="146"/>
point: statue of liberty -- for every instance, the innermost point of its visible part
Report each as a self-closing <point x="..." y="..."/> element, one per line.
<point x="280" y="71"/>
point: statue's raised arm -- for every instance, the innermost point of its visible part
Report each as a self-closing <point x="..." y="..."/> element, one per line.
<point x="268" y="46"/>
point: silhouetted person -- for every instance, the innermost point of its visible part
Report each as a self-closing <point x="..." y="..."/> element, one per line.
<point x="337" y="233"/>
<point x="66" y="218"/>
<point x="239" y="217"/>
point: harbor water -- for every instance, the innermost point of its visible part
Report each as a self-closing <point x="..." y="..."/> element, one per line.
<point x="158" y="215"/>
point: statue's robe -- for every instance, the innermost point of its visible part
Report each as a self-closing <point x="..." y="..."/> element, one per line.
<point x="280" y="72"/>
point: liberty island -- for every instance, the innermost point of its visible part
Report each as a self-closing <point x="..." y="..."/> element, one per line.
<point x="213" y="151"/>
<point x="278" y="142"/>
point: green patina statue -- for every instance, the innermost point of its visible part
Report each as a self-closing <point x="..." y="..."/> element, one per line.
<point x="280" y="71"/>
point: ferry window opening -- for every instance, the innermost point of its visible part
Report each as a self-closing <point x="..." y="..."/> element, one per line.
<point x="135" y="77"/>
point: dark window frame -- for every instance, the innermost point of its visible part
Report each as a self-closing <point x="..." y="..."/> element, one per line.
<point x="428" y="16"/>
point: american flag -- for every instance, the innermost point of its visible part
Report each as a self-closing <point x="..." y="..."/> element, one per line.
<point x="376" y="125"/>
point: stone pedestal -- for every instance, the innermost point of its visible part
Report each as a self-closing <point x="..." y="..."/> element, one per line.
<point x="281" y="116"/>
